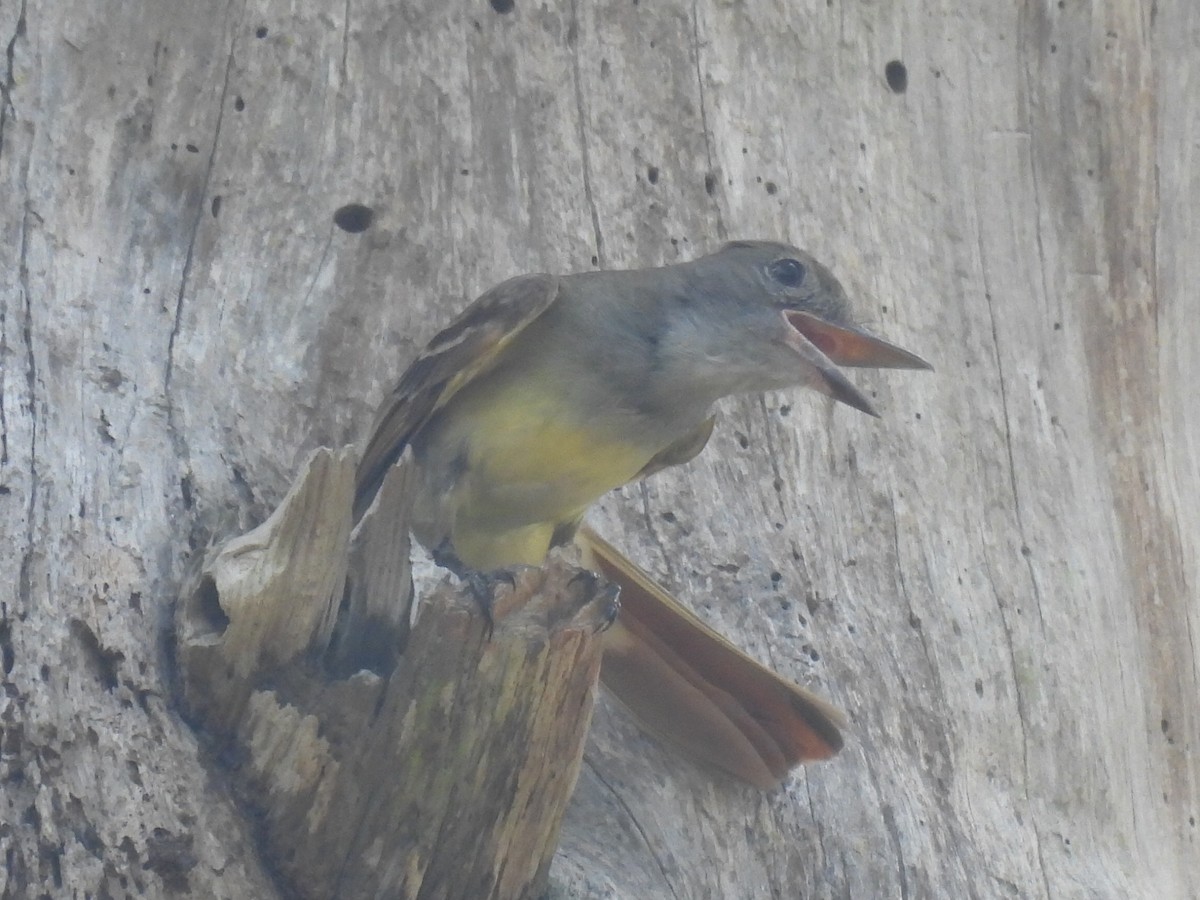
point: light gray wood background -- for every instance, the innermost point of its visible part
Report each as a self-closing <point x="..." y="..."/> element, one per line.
<point x="998" y="581"/>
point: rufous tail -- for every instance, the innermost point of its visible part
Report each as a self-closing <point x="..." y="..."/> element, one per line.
<point x="691" y="687"/>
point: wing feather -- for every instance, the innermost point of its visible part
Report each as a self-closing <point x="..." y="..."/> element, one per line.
<point x="683" y="450"/>
<point x="460" y="352"/>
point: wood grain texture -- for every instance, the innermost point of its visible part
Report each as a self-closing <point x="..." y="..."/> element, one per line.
<point x="440" y="769"/>
<point x="997" y="582"/>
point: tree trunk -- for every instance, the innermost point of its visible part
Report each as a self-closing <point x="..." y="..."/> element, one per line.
<point x="997" y="582"/>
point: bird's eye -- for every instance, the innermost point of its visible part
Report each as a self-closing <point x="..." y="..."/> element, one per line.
<point x="788" y="272"/>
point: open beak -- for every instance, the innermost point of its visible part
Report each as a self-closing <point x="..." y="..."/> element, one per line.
<point x="826" y="346"/>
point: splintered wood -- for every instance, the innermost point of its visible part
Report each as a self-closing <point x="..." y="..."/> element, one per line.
<point x="384" y="760"/>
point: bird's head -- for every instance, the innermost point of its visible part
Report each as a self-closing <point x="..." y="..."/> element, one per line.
<point x="758" y="315"/>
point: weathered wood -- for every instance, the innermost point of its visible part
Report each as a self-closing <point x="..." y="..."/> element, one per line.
<point x="1001" y="593"/>
<point x="444" y="775"/>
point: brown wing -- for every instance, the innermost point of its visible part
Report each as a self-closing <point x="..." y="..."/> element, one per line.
<point x="465" y="348"/>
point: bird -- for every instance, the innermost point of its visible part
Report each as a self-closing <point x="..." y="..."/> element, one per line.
<point x="548" y="391"/>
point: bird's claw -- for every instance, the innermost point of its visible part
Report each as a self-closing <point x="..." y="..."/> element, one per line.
<point x="483" y="589"/>
<point x="606" y="592"/>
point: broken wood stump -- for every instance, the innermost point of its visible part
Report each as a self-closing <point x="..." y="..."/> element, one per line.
<point x="386" y="748"/>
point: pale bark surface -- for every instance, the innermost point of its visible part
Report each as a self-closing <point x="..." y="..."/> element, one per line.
<point x="998" y="582"/>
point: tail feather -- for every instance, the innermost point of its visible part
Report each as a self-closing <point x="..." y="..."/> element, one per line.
<point x="693" y="688"/>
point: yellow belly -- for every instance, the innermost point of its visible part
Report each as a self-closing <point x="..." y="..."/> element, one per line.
<point x="529" y="467"/>
<point x="552" y="466"/>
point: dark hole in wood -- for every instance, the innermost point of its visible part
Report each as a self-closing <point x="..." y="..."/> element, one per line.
<point x="207" y="604"/>
<point x="354" y="218"/>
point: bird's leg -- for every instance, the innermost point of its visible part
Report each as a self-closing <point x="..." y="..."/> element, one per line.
<point x="483" y="589"/>
<point x="481" y="584"/>
<point x="443" y="554"/>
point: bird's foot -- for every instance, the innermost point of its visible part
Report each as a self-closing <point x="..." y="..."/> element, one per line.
<point x="483" y="588"/>
<point x="607" y="593"/>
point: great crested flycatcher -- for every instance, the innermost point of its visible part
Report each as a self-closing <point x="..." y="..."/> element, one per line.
<point x="549" y="391"/>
